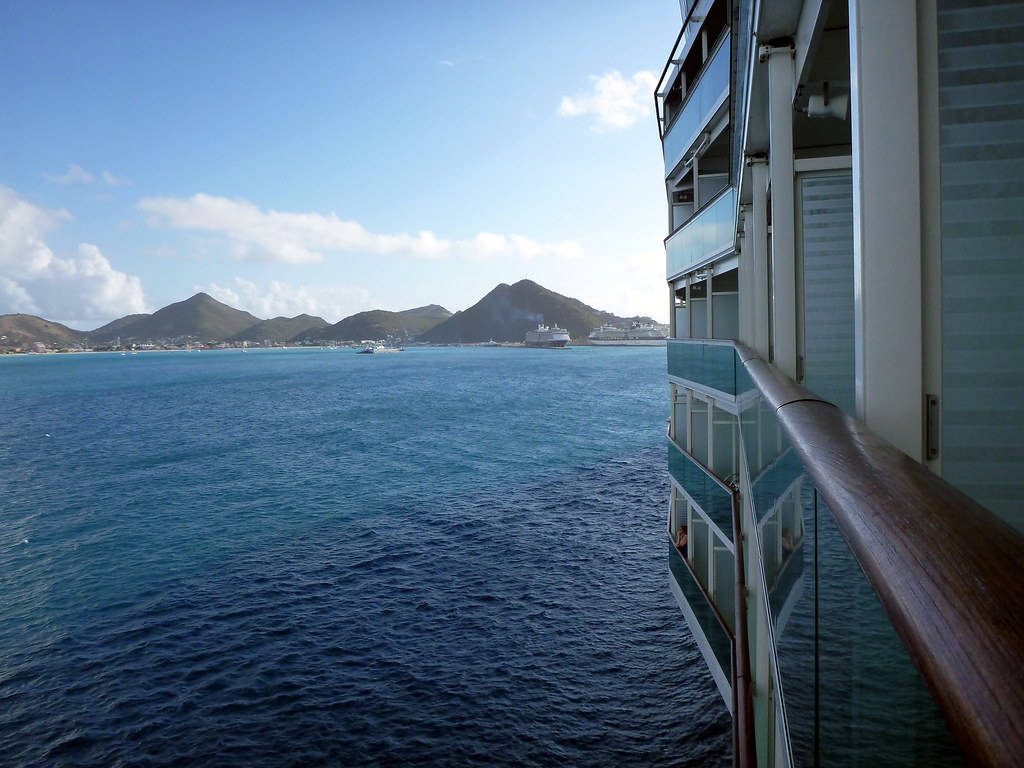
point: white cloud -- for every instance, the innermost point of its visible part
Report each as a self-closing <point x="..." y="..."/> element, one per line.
<point x="114" y="181"/>
<point x="75" y="174"/>
<point x="275" y="236"/>
<point x="446" y="63"/>
<point x="488" y="245"/>
<point x="275" y="299"/>
<point x="15" y="299"/>
<point x="82" y="289"/>
<point x="302" y="238"/>
<point x="614" y="101"/>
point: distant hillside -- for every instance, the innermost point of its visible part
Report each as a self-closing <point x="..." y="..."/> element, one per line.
<point x="113" y="329"/>
<point x="504" y="314"/>
<point x="509" y="311"/>
<point x="378" y="323"/>
<point x="201" y="316"/>
<point x="23" y="330"/>
<point x="431" y="312"/>
<point x="283" y="329"/>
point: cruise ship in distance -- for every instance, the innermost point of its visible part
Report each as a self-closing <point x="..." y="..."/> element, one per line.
<point x="637" y="335"/>
<point x="551" y="337"/>
<point x="846" y="373"/>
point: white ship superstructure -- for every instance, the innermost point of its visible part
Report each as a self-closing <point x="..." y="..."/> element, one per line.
<point x="637" y="335"/>
<point x="547" y="336"/>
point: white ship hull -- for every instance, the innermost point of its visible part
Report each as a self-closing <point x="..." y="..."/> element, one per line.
<point x="627" y="342"/>
<point x="553" y="344"/>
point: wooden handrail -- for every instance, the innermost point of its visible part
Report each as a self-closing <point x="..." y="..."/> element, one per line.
<point x="948" y="572"/>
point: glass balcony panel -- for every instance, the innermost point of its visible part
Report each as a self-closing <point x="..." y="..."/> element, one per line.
<point x="698" y="108"/>
<point x="714" y="633"/>
<point x="875" y="709"/>
<point x="711" y="231"/>
<point x="699" y="318"/>
<point x="697" y="550"/>
<point x="710" y="184"/>
<point x="712" y="498"/>
<point x="681" y="213"/>
<point x="725" y="585"/>
<point x="724" y="460"/>
<point x="680" y="416"/>
<point x="726" y="311"/>
<point x="682" y="323"/>
<point x="698" y="431"/>
<point x="852" y="695"/>
<point x="712" y="366"/>
<point x="685" y="6"/>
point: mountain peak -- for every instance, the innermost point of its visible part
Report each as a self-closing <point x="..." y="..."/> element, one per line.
<point x="200" y="316"/>
<point x="526" y="282"/>
<point x="507" y="312"/>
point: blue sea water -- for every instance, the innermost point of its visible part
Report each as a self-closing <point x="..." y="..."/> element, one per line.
<point x="297" y="557"/>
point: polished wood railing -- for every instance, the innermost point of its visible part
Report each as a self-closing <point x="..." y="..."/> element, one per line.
<point x="949" y="573"/>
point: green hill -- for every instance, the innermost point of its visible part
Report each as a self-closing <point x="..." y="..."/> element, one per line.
<point x="201" y="316"/>
<point x="24" y="330"/>
<point x="379" y="323"/>
<point x="114" y="328"/>
<point x="509" y="311"/>
<point x="283" y="329"/>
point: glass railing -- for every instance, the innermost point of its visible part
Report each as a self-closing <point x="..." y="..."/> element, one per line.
<point x="852" y="695"/>
<point x="711" y="231"/>
<point x="718" y="638"/>
<point x="709" y="365"/>
<point x="706" y="493"/>
<point x="684" y="7"/>
<point x="698" y="108"/>
<point x="831" y="676"/>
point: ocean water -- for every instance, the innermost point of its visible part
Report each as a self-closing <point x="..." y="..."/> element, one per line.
<point x="298" y="557"/>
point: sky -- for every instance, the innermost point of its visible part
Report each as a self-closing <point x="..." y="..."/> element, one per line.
<point x="329" y="157"/>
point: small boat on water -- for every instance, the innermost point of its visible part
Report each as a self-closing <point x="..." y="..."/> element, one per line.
<point x="375" y="349"/>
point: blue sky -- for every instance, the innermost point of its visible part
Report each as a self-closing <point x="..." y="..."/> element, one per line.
<point x="328" y="157"/>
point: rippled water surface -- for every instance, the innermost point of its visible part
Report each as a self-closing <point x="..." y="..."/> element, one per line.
<point x="299" y="557"/>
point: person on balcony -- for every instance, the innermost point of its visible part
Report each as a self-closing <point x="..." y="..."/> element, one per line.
<point x="681" y="539"/>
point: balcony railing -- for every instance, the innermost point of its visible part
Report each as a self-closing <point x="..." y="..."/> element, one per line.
<point x="699" y="106"/>
<point x="708" y="365"/>
<point x="711" y="623"/>
<point x="852" y="547"/>
<point x="706" y="491"/>
<point x="708" y="233"/>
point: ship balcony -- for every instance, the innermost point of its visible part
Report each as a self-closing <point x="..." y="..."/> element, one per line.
<point x="708" y="493"/>
<point x="709" y="627"/>
<point x="705" y="236"/>
<point x="845" y="565"/>
<point x="709" y="366"/>
<point x="686" y="122"/>
<point x="705" y="573"/>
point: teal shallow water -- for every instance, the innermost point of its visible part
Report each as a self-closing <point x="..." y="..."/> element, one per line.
<point x="445" y="556"/>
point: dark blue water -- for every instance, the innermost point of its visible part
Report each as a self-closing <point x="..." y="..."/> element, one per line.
<point x="300" y="557"/>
